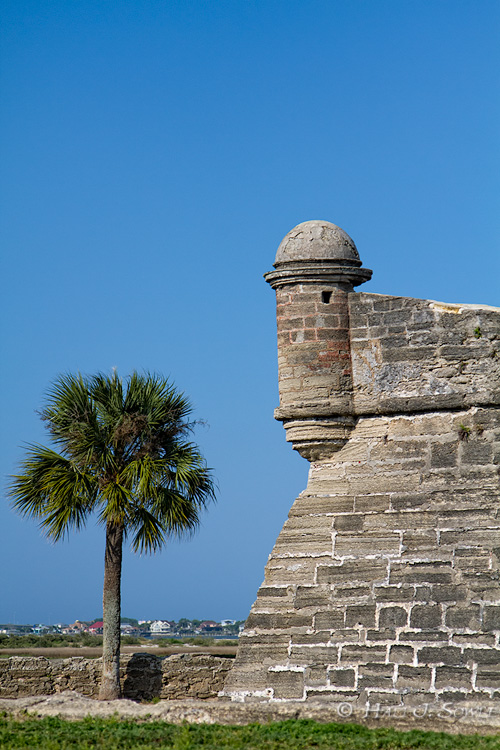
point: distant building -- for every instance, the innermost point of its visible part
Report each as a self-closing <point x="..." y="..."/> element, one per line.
<point x="95" y="629"/>
<point x="208" y="625"/>
<point x="39" y="629"/>
<point x="77" y="627"/>
<point x="127" y="629"/>
<point x="160" y="627"/>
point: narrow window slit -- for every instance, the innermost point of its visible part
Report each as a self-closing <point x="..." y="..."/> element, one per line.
<point x="325" y="297"/>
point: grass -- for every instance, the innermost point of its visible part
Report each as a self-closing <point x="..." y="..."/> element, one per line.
<point x="55" y="646"/>
<point x="51" y="640"/>
<point x="84" y="640"/>
<point x="114" y="734"/>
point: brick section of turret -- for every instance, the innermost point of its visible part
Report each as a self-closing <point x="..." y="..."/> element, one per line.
<point x="314" y="350"/>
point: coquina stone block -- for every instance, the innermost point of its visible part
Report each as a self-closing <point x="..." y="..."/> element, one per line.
<point x="384" y="584"/>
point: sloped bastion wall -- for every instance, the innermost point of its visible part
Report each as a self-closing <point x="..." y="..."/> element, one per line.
<point x="383" y="587"/>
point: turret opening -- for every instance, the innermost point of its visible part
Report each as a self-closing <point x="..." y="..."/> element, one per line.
<point x="325" y="297"/>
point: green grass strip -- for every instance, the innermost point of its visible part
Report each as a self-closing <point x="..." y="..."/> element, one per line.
<point x="115" y="734"/>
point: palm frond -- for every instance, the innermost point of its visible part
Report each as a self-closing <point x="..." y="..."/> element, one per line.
<point x="184" y="471"/>
<point x="179" y="516"/>
<point x="73" y="422"/>
<point x="156" y="397"/>
<point x="115" y="504"/>
<point x="53" y="489"/>
<point x="107" y="396"/>
<point x="149" y="533"/>
<point x="190" y="475"/>
<point x="143" y="476"/>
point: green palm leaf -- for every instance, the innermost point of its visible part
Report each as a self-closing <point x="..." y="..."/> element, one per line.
<point x="53" y="489"/>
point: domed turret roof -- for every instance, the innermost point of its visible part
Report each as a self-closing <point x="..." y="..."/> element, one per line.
<point x="317" y="240"/>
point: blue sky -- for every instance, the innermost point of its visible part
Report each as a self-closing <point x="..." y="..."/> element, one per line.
<point x="154" y="155"/>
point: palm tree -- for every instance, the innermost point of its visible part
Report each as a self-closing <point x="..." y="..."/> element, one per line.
<point x="123" y="454"/>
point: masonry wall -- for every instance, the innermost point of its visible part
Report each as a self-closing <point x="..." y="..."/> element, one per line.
<point x="142" y="676"/>
<point x="411" y="355"/>
<point x="384" y="584"/>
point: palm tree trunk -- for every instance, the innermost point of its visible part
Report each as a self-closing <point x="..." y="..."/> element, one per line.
<point x="111" y="605"/>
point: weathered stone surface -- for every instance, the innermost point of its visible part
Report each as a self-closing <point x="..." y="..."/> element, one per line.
<point x="311" y="596"/>
<point x="363" y="615"/>
<point x="392" y="617"/>
<point x="421" y="636"/>
<point x="401" y="654"/>
<point x="342" y="677"/>
<point x="349" y="571"/>
<point x="411" y="677"/>
<point x="286" y="683"/>
<point x="482" y="656"/>
<point x="421" y="572"/>
<point x="405" y="593"/>
<point x="449" y="655"/>
<point x="375" y="676"/>
<point x="486" y="678"/>
<point x="355" y="594"/>
<point x="263" y="653"/>
<point x="426" y="616"/>
<point x="315" y="654"/>
<point x="453" y="677"/>
<point x="362" y="654"/>
<point x="329" y="620"/>
<point x="491" y="618"/>
<point x="282" y="621"/>
<point x="365" y="543"/>
<point x="463" y="617"/>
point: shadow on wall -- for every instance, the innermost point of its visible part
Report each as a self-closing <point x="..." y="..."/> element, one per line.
<point x="143" y="677"/>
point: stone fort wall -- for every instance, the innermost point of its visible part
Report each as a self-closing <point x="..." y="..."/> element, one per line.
<point x="384" y="584"/>
<point x="143" y="676"/>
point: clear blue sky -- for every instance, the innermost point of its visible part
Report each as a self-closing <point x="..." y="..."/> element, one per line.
<point x="154" y="154"/>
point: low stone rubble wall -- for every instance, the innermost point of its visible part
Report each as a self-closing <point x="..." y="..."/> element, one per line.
<point x="143" y="676"/>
